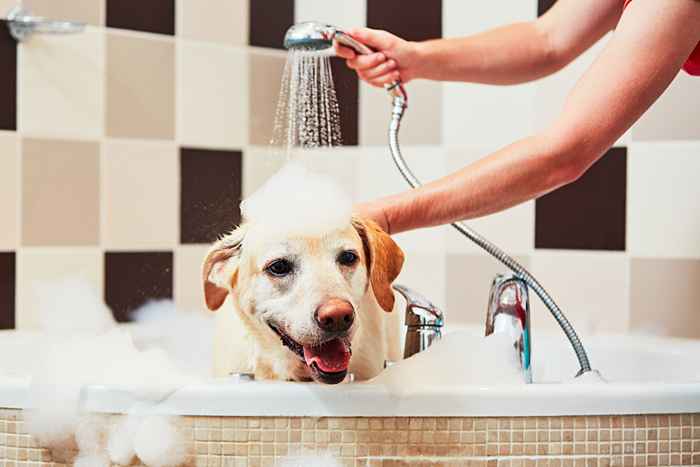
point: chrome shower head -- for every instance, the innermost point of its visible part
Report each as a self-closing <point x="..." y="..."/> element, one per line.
<point x="315" y="36"/>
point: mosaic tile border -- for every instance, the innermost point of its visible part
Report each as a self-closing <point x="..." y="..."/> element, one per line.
<point x="598" y="441"/>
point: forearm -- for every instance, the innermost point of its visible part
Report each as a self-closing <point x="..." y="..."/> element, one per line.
<point x="510" y="54"/>
<point x="517" y="173"/>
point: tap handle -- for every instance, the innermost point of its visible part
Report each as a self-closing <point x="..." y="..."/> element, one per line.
<point x="419" y="310"/>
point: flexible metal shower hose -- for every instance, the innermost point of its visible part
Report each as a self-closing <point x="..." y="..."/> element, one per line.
<point x="399" y="105"/>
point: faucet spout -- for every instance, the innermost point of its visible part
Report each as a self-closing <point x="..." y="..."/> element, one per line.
<point x="424" y="322"/>
<point x="508" y="314"/>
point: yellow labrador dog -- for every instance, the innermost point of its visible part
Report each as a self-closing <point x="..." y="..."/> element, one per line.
<point x="305" y="306"/>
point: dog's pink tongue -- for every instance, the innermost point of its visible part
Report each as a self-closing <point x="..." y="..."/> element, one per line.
<point x="331" y="357"/>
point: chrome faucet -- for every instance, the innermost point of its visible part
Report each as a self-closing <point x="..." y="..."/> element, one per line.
<point x="424" y="322"/>
<point x="509" y="314"/>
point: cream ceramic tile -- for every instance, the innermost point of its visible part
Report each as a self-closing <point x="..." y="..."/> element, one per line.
<point x="140" y="194"/>
<point x="61" y="85"/>
<point x="675" y="115"/>
<point x="36" y="266"/>
<point x="662" y="199"/>
<point x="60" y="192"/>
<point x="140" y="86"/>
<point x="212" y="96"/>
<point x="421" y="124"/>
<point x="592" y="289"/>
<point x="9" y="190"/>
<point x="469" y="280"/>
<point x="664" y="297"/>
<point x="265" y="76"/>
<point x="222" y="21"/>
<point x="512" y="230"/>
<point x="88" y="11"/>
<point x="7" y="5"/>
<point x="188" y="277"/>
<point x="341" y="14"/>
<point x="259" y="163"/>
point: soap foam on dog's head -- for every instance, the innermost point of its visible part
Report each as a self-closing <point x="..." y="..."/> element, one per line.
<point x="298" y="201"/>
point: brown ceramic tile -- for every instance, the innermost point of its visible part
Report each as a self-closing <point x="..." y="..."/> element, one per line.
<point x="265" y="75"/>
<point x="589" y="214"/>
<point x="269" y="20"/>
<point x="410" y="19"/>
<point x="347" y="90"/>
<point x="60" y="192"/>
<point x="140" y="92"/>
<point x="8" y="79"/>
<point x="88" y="11"/>
<point x="210" y="193"/>
<point x="661" y="291"/>
<point x="544" y="5"/>
<point x="7" y="290"/>
<point x="156" y="16"/>
<point x="132" y="279"/>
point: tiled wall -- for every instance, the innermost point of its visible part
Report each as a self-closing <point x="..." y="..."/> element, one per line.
<point x="124" y="150"/>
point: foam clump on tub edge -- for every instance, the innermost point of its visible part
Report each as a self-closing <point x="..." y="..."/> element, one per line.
<point x="296" y="200"/>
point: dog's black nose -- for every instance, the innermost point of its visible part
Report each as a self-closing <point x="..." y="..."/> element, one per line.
<point x="335" y="315"/>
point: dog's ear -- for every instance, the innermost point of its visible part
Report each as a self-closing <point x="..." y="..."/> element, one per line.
<point x="384" y="260"/>
<point x="220" y="268"/>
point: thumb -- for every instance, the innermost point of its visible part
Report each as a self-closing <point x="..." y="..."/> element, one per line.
<point x="374" y="38"/>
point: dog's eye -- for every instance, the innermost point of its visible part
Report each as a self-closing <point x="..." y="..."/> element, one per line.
<point x="280" y="267"/>
<point x="347" y="258"/>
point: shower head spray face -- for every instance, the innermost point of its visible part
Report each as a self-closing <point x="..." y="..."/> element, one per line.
<point x="310" y="36"/>
<point x="316" y="37"/>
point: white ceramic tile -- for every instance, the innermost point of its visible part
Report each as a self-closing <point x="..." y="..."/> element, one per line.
<point x="61" y="81"/>
<point x="422" y="121"/>
<point x="339" y="163"/>
<point x="592" y="289"/>
<point x="222" y="21"/>
<point x="342" y="14"/>
<point x="259" y="164"/>
<point x="482" y="114"/>
<point x="376" y="176"/>
<point x="469" y="279"/>
<point x="512" y="230"/>
<point x="140" y="194"/>
<point x="460" y="18"/>
<point x="212" y="95"/>
<point x="9" y="190"/>
<point x="426" y="274"/>
<point x="662" y="199"/>
<point x="188" y="277"/>
<point x="36" y="266"/>
<point x="675" y="115"/>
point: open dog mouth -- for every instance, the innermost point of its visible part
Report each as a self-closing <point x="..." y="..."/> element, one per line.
<point x="328" y="361"/>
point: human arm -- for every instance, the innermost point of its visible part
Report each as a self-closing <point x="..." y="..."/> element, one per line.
<point x="650" y="44"/>
<point x="514" y="53"/>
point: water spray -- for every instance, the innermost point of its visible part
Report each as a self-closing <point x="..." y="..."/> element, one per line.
<point x="318" y="37"/>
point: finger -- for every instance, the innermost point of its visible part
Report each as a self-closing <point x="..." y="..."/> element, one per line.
<point x="342" y="51"/>
<point x="383" y="80"/>
<point x="375" y="38"/>
<point x="363" y="62"/>
<point x="382" y="69"/>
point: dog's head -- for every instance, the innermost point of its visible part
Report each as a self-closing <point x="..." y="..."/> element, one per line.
<point x="305" y="290"/>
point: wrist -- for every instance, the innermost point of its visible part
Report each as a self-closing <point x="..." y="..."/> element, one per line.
<point x="416" y="59"/>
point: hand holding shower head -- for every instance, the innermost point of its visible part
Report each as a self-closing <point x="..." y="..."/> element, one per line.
<point x="313" y="36"/>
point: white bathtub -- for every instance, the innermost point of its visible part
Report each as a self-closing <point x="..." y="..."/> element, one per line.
<point x="645" y="375"/>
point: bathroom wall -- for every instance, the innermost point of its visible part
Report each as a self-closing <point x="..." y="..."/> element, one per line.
<point x="124" y="151"/>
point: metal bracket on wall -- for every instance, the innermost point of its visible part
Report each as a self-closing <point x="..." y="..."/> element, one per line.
<point x="22" y="24"/>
